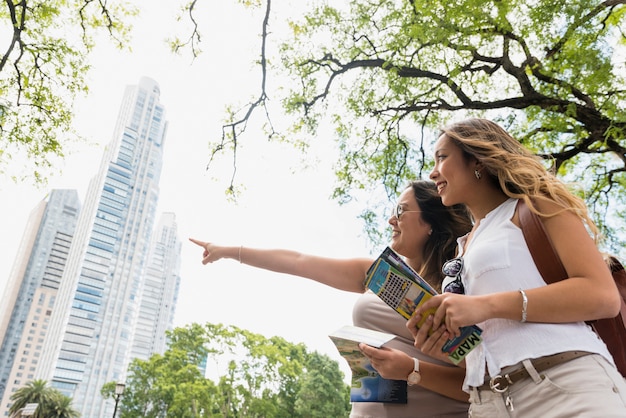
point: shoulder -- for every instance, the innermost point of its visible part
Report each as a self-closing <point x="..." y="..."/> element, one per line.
<point x="546" y="209"/>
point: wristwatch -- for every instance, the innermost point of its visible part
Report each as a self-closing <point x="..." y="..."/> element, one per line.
<point x="415" y="376"/>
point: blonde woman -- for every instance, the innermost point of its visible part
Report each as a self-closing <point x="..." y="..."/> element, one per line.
<point x="539" y="356"/>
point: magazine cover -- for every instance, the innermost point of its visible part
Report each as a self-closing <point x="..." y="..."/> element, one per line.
<point x="366" y="384"/>
<point x="400" y="287"/>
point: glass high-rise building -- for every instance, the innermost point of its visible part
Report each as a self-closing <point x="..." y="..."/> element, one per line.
<point x="31" y="289"/>
<point x="160" y="290"/>
<point x="97" y="324"/>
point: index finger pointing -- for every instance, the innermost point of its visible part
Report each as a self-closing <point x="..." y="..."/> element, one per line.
<point x="198" y="242"/>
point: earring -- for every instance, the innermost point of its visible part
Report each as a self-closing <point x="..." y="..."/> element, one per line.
<point x="430" y="232"/>
<point x="477" y="174"/>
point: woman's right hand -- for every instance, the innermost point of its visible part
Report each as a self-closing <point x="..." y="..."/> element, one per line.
<point x="431" y="345"/>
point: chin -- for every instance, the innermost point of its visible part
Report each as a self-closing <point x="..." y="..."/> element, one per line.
<point x="447" y="201"/>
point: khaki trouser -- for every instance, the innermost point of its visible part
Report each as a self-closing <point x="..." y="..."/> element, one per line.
<point x="586" y="387"/>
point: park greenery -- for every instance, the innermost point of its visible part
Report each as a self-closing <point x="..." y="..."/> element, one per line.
<point x="253" y="376"/>
<point x="50" y="402"/>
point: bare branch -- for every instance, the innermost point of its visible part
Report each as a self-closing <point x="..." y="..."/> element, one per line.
<point x="231" y="131"/>
<point x="195" y="37"/>
<point x="109" y="20"/>
<point x="18" y="27"/>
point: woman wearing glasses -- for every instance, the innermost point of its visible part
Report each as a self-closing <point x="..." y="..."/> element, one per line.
<point x="424" y="232"/>
<point x="539" y="356"/>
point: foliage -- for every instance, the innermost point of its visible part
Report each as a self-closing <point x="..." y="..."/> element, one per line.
<point x="42" y="70"/>
<point x="61" y="408"/>
<point x="388" y="74"/>
<point x="259" y="377"/>
<point x="51" y="402"/>
<point x="544" y="69"/>
<point x="319" y="388"/>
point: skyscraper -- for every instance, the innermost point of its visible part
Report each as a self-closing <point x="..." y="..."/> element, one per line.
<point x="97" y="310"/>
<point x="32" y="287"/>
<point x="160" y="290"/>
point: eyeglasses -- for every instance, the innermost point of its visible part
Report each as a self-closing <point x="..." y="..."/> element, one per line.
<point x="453" y="268"/>
<point x="399" y="210"/>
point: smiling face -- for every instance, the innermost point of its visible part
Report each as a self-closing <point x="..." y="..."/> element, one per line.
<point x="453" y="172"/>
<point x="409" y="232"/>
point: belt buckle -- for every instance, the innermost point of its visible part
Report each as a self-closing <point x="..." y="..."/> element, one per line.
<point x="496" y="382"/>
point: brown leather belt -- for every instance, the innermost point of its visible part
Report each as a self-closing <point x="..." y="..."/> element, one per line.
<point x="501" y="382"/>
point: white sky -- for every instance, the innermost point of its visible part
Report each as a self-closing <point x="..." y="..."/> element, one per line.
<point x="282" y="206"/>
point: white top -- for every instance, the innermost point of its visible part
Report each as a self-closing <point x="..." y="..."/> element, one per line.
<point x="498" y="260"/>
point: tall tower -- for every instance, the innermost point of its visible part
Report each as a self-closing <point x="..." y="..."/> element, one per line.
<point x="31" y="289"/>
<point x="160" y="290"/>
<point x="92" y="327"/>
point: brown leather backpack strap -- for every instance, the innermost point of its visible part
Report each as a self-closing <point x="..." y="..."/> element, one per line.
<point x="619" y="275"/>
<point x="546" y="259"/>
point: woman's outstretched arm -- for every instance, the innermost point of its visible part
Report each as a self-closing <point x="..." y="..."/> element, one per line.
<point x="343" y="274"/>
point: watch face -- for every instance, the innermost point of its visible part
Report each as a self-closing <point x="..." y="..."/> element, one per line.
<point x="414" y="378"/>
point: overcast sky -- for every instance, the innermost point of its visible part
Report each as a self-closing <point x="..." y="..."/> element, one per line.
<point x="283" y="205"/>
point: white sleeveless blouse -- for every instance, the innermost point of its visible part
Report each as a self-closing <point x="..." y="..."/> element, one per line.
<point x="498" y="260"/>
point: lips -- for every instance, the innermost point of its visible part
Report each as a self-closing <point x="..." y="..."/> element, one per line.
<point x="440" y="186"/>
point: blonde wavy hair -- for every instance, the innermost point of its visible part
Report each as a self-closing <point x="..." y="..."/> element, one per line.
<point x="520" y="173"/>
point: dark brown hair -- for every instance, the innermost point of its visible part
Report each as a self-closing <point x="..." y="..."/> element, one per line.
<point x="447" y="223"/>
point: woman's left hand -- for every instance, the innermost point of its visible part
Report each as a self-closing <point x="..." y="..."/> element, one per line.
<point x="454" y="311"/>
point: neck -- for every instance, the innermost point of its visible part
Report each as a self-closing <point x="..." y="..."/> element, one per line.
<point x="484" y="204"/>
<point x="414" y="262"/>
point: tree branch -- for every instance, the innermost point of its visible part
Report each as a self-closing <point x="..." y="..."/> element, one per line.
<point x="232" y="130"/>
<point x="584" y="19"/>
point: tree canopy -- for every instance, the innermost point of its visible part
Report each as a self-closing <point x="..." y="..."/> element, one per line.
<point x="256" y="376"/>
<point x="43" y="64"/>
<point x="388" y="74"/>
<point x="384" y="74"/>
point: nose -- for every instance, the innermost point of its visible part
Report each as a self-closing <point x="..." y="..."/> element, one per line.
<point x="393" y="220"/>
<point x="433" y="174"/>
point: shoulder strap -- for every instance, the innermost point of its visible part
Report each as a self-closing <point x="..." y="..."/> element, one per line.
<point x="619" y="274"/>
<point x="611" y="330"/>
<point x="546" y="259"/>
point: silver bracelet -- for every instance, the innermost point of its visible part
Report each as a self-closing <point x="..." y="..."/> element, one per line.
<point x="240" y="247"/>
<point x="524" y="305"/>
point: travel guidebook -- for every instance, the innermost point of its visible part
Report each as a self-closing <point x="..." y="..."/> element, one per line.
<point x="367" y="385"/>
<point x="396" y="283"/>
